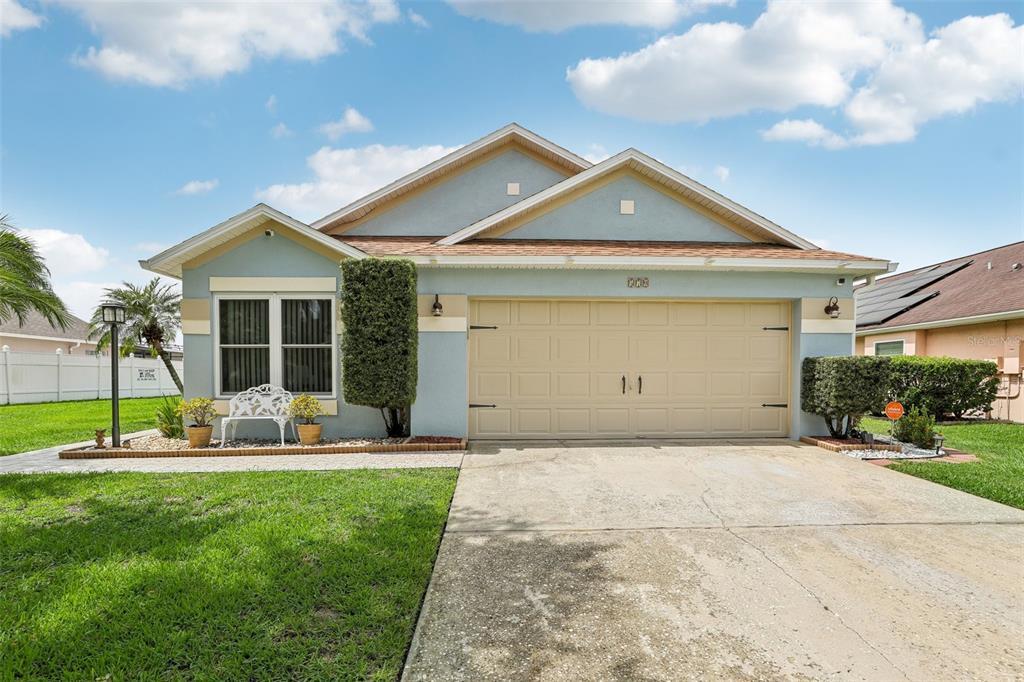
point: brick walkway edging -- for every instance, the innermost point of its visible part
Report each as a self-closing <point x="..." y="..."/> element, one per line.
<point x="90" y="452"/>
<point x="846" y="447"/>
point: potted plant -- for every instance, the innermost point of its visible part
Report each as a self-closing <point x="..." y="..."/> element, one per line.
<point x="306" y="408"/>
<point x="199" y="410"/>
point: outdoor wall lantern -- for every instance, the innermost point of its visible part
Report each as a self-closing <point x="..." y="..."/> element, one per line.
<point x="113" y="314"/>
<point x="437" y="309"/>
<point x="832" y="309"/>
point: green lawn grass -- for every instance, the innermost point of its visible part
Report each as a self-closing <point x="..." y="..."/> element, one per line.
<point x="999" y="473"/>
<point x="41" y="425"/>
<point x="223" y="576"/>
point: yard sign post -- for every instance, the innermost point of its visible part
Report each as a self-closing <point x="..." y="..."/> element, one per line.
<point x="893" y="411"/>
<point x="114" y="315"/>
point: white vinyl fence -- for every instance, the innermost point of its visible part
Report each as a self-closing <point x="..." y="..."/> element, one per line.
<point x="46" y="377"/>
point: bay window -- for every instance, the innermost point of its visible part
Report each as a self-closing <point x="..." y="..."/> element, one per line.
<point x="286" y="340"/>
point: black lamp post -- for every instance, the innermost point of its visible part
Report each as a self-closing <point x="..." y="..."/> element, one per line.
<point x="113" y="314"/>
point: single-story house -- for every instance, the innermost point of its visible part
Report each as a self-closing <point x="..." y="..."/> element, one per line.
<point x="970" y="307"/>
<point x="577" y="300"/>
<point x="37" y="335"/>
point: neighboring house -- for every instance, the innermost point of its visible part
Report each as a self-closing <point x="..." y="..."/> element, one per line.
<point x="37" y="335"/>
<point x="617" y="299"/>
<point x="970" y="307"/>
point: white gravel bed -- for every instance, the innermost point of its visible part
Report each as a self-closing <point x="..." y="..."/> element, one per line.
<point x="158" y="442"/>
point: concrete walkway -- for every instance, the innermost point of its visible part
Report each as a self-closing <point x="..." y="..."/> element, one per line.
<point x="47" y="460"/>
<point x="733" y="561"/>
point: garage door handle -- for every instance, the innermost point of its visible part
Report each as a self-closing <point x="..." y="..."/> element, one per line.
<point x="640" y="381"/>
<point x="774" y="404"/>
<point x="481" y="326"/>
<point x="775" y="329"/>
<point x="472" y="405"/>
<point x="623" y="384"/>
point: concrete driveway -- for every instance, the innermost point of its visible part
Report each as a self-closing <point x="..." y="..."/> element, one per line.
<point x="741" y="560"/>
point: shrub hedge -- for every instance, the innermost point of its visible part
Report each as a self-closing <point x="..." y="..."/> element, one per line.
<point x="844" y="389"/>
<point x="944" y="386"/>
<point x="379" y="344"/>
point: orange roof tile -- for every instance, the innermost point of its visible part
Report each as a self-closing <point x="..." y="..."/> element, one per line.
<point x="426" y="246"/>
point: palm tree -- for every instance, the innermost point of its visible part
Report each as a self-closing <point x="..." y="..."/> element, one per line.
<point x="25" y="280"/>
<point x="152" y="314"/>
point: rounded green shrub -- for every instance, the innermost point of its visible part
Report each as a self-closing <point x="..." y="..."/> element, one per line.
<point x="843" y="389"/>
<point x="917" y="427"/>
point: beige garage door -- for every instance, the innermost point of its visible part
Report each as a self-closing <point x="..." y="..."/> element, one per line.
<point x="609" y="369"/>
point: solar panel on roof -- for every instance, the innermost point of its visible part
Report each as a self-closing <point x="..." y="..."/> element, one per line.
<point x="881" y="311"/>
<point x="905" y="285"/>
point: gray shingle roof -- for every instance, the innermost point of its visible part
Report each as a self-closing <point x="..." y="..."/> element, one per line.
<point x="36" y="325"/>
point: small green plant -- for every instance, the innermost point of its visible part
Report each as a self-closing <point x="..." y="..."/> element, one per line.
<point x="305" y="407"/>
<point x="168" y="418"/>
<point x="199" y="410"/>
<point x="917" y="427"/>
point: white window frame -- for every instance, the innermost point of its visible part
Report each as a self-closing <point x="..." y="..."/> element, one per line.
<point x="902" y="342"/>
<point x="276" y="347"/>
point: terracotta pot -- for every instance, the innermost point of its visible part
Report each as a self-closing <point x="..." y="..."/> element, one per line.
<point x="309" y="434"/>
<point x="199" y="436"/>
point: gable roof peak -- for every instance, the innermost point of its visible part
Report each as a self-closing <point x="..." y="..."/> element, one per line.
<point x="655" y="170"/>
<point x="572" y="163"/>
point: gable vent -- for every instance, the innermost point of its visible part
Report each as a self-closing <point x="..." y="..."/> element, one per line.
<point x="512" y="189"/>
<point x="627" y="207"/>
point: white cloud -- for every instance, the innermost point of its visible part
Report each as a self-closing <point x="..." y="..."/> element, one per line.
<point x="344" y="175"/>
<point x="197" y="187"/>
<point x="15" y="17"/>
<point x="721" y="172"/>
<point x="418" y="19"/>
<point x="559" y="16"/>
<point x="350" y="122"/>
<point x="793" y="54"/>
<point x="281" y="130"/>
<point x="172" y="43"/>
<point x="271" y="104"/>
<point x="814" y="54"/>
<point x="80" y="270"/>
<point x="971" y="61"/>
<point x="596" y="153"/>
<point x="70" y="253"/>
<point x="804" y="130"/>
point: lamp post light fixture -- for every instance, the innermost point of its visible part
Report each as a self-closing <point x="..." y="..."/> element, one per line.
<point x="832" y="309"/>
<point x="113" y="314"/>
<point x="939" y="438"/>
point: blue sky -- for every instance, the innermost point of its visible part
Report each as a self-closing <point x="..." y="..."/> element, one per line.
<point x="891" y="130"/>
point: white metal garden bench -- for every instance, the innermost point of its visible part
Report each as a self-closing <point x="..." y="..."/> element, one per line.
<point x="267" y="402"/>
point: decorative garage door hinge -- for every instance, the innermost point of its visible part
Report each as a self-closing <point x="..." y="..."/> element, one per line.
<point x="472" y="405"/>
<point x="480" y="326"/>
<point x="774" y="404"/>
<point x="775" y="329"/>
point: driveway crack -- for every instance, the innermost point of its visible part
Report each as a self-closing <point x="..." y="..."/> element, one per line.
<point x="818" y="599"/>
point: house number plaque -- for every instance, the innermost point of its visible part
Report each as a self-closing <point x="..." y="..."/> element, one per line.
<point x="638" y="282"/>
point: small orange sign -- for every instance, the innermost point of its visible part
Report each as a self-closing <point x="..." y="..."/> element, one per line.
<point x="894" y="410"/>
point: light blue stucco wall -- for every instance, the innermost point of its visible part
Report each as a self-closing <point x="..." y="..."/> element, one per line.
<point x="276" y="256"/>
<point x="657" y="217"/>
<point x="441" y="393"/>
<point x="612" y="283"/>
<point x="464" y="199"/>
